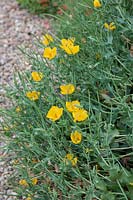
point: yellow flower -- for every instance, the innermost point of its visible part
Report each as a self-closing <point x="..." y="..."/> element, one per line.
<point x="54" y="113"/>
<point x="72" y="106"/>
<point x="23" y="182"/>
<point x="68" y="46"/>
<point x="74" y="161"/>
<point x="76" y="137"/>
<point x="67" y="89"/>
<point x="47" y="39"/>
<point x="18" y="109"/>
<point x="50" y="53"/>
<point x="80" y="115"/>
<point x="110" y="26"/>
<point x="131" y="183"/>
<point x="34" y="181"/>
<point x="33" y="95"/>
<point x="28" y="198"/>
<point x="66" y="42"/>
<point x="97" y="4"/>
<point x="37" y="76"/>
<point x="70" y="158"/>
<point x="72" y="50"/>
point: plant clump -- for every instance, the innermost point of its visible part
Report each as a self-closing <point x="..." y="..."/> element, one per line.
<point x="71" y="126"/>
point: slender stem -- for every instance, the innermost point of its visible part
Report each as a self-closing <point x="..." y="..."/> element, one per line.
<point x="122" y="190"/>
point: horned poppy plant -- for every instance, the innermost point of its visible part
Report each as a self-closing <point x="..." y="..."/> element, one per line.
<point x="69" y="158"/>
<point x="72" y="106"/>
<point x="110" y="26"/>
<point x="33" y="95"/>
<point x="80" y="115"/>
<point x="47" y="39"/>
<point x="54" y="113"/>
<point x="37" y="76"/>
<point x="76" y="137"/>
<point x="97" y="4"/>
<point x="68" y="46"/>
<point x="50" y="53"/>
<point x="67" y="89"/>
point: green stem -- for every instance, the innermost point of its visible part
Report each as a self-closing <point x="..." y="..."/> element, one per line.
<point x="122" y="190"/>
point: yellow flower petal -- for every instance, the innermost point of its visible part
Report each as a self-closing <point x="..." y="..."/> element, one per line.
<point x="106" y="25"/>
<point x="37" y="76"/>
<point x="18" y="109"/>
<point x="33" y="95"/>
<point x="54" y="113"/>
<point x="23" y="182"/>
<point x="71" y="40"/>
<point x="64" y="42"/>
<point x="68" y="46"/>
<point x="68" y="50"/>
<point x="67" y="42"/>
<point x="28" y="198"/>
<point x="75" y="49"/>
<point x="80" y="115"/>
<point x="50" y="53"/>
<point x="97" y="4"/>
<point x="110" y="26"/>
<point x="72" y="106"/>
<point x="69" y="158"/>
<point x="34" y="181"/>
<point x="67" y="89"/>
<point x="74" y="161"/>
<point x="76" y="137"/>
<point x="47" y="39"/>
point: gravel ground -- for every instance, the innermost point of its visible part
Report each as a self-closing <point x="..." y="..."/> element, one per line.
<point x="16" y="27"/>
